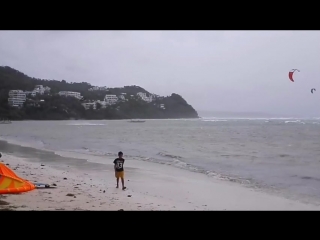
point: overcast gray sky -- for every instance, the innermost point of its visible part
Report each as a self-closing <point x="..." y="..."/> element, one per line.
<point x="213" y="70"/>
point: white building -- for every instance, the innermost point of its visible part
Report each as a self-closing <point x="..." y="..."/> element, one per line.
<point x="93" y="104"/>
<point x="17" y="98"/>
<point x="32" y="93"/>
<point x="89" y="105"/>
<point x="102" y="103"/>
<point x="93" y="89"/>
<point x="144" y="97"/>
<point x="122" y="98"/>
<point x="70" y="94"/>
<point x="47" y="89"/>
<point x="162" y="106"/>
<point x="98" y="88"/>
<point x="38" y="89"/>
<point x="110" y="99"/>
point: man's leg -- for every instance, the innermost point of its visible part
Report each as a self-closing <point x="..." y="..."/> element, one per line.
<point x="122" y="180"/>
<point x="117" y="177"/>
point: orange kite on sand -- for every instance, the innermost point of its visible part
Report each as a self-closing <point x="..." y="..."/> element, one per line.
<point x="11" y="183"/>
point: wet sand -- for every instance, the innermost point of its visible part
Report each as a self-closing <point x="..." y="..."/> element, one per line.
<point x="150" y="186"/>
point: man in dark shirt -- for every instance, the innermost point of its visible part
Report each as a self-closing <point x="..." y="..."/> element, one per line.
<point x="119" y="171"/>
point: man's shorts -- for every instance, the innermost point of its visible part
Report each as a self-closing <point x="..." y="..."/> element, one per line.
<point x="119" y="174"/>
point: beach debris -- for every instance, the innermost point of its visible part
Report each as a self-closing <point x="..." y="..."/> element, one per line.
<point x="65" y="178"/>
<point x="104" y="191"/>
<point x="53" y="184"/>
<point x="70" y="195"/>
<point x="7" y="164"/>
<point x="129" y="195"/>
<point x="42" y="165"/>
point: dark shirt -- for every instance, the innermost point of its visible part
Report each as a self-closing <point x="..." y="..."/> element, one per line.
<point x="118" y="162"/>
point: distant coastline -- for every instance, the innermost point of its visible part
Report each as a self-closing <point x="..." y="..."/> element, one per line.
<point x="26" y="98"/>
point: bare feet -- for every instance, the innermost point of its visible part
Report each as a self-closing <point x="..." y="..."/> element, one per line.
<point x="123" y="188"/>
<point x="117" y="186"/>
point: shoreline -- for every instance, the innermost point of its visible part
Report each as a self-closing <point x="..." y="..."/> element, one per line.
<point x="113" y="119"/>
<point x="74" y="190"/>
<point x="151" y="186"/>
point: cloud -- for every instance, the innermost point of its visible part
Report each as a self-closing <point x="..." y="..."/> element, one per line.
<point x="212" y="70"/>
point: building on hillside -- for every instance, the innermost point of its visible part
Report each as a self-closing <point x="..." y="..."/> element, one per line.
<point x="122" y="98"/>
<point x="88" y="105"/>
<point x="102" y="103"/>
<point x="32" y="93"/>
<point x="17" y="98"/>
<point x="70" y="94"/>
<point x="110" y="99"/>
<point x="94" y="104"/>
<point x="162" y="106"/>
<point x="41" y="89"/>
<point x="93" y="89"/>
<point x="34" y="103"/>
<point x="38" y="89"/>
<point x="144" y="97"/>
<point x="47" y="89"/>
<point x="98" y="88"/>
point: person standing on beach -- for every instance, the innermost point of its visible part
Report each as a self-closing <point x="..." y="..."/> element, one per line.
<point x="118" y="169"/>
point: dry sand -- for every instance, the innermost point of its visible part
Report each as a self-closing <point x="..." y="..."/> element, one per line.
<point x="150" y="187"/>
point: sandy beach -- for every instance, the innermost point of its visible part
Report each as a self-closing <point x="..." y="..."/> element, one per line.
<point x="150" y="186"/>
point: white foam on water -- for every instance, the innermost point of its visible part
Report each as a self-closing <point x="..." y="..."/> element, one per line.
<point x="86" y="124"/>
<point x="215" y="120"/>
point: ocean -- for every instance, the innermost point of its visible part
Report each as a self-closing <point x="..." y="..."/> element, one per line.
<point x="273" y="154"/>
